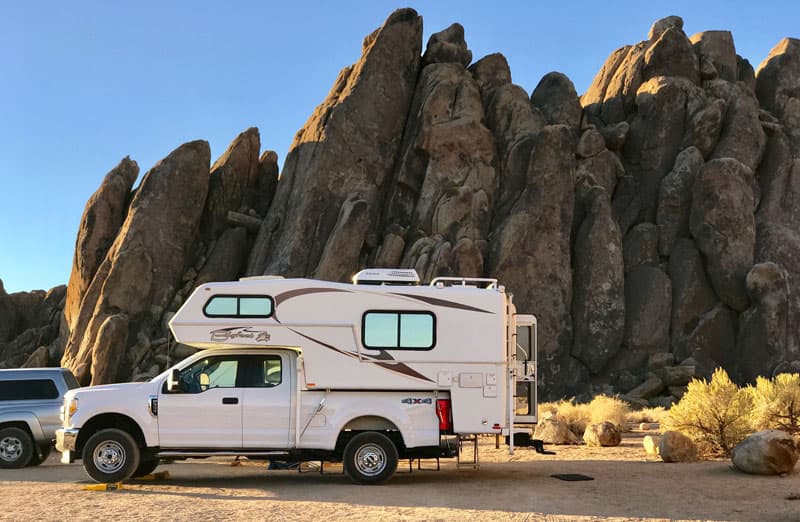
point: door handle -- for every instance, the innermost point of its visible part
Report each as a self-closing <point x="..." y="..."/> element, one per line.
<point x="230" y="400"/>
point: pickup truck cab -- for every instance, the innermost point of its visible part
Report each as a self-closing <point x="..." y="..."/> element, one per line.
<point x="30" y="402"/>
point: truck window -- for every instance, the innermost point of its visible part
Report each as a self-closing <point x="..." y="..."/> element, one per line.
<point x="28" y="390"/>
<point x="259" y="371"/>
<point x="239" y="306"/>
<point x="387" y="330"/>
<point x="221" y="373"/>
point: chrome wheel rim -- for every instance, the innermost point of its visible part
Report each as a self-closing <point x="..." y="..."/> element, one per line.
<point x="370" y="460"/>
<point x="109" y="456"/>
<point x="10" y="449"/>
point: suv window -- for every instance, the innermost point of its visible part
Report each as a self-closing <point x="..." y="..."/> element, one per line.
<point x="28" y="390"/>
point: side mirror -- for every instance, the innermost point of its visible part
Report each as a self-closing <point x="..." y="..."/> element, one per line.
<point x="174" y="380"/>
<point x="205" y="381"/>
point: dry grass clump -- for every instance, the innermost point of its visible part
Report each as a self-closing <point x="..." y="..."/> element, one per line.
<point x="604" y="408"/>
<point x="649" y="415"/>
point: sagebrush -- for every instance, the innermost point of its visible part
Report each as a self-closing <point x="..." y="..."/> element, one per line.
<point x="776" y="403"/>
<point x="715" y="415"/>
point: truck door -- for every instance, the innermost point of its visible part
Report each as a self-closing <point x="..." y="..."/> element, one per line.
<point x="525" y="399"/>
<point x="207" y="410"/>
<point x="267" y="401"/>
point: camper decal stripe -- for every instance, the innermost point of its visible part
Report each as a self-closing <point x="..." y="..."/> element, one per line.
<point x="285" y="296"/>
<point x="447" y="304"/>
<point x="396" y="367"/>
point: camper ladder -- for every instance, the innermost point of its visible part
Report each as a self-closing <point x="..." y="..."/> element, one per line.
<point x="467" y="451"/>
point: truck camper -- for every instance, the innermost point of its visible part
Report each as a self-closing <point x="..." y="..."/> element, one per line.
<point x="299" y="369"/>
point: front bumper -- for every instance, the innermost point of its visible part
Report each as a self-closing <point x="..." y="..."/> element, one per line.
<point x="66" y="441"/>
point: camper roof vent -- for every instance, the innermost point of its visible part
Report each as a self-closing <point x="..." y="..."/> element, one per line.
<point x="386" y="276"/>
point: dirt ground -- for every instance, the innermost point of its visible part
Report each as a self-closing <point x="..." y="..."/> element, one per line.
<point x="626" y="486"/>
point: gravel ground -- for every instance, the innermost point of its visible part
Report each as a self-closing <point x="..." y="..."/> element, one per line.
<point x="626" y="486"/>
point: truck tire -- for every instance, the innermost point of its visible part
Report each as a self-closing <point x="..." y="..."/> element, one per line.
<point x="147" y="464"/>
<point x="16" y="448"/>
<point x="110" y="455"/>
<point x="370" y="458"/>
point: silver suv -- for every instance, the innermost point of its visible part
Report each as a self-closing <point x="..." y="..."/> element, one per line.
<point x="30" y="408"/>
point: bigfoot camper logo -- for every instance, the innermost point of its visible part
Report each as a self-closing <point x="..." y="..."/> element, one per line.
<point x="237" y="333"/>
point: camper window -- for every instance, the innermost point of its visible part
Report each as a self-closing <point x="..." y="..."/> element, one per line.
<point x="393" y="330"/>
<point x="239" y="306"/>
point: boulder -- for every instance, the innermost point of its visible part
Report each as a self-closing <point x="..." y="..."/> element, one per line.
<point x="598" y="304"/>
<point x="491" y="72"/>
<point x="448" y="46"/>
<point x="530" y="252"/>
<point x="347" y="147"/>
<point x="649" y="388"/>
<point x="671" y="54"/>
<point x="640" y="247"/>
<point x="660" y="360"/>
<point x="590" y="144"/>
<point x="705" y="128"/>
<point x="102" y="218"/>
<point x="763" y="339"/>
<point x="692" y="295"/>
<point x="711" y="343"/>
<point x="741" y="136"/>
<point x="717" y="47"/>
<point x="675" y="199"/>
<point x="676" y="447"/>
<point x="723" y="226"/>
<point x="648" y="301"/>
<point x="109" y="349"/>
<point x="661" y="25"/>
<point x="266" y="182"/>
<point x="603" y="99"/>
<point x="651" y="443"/>
<point x="554" y="431"/>
<point x="778" y="76"/>
<point x="657" y="133"/>
<point x="555" y="96"/>
<point x="445" y="180"/>
<point x="771" y="452"/>
<point x="38" y="359"/>
<point x="227" y="258"/>
<point x="602" y="434"/>
<point x="615" y="135"/>
<point x="675" y="375"/>
<point x="604" y="169"/>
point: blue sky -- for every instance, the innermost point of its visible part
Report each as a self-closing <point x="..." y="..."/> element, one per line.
<point x="87" y="83"/>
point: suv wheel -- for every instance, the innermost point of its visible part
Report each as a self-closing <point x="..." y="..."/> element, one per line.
<point x="370" y="458"/>
<point x="16" y="448"/>
<point x="110" y="455"/>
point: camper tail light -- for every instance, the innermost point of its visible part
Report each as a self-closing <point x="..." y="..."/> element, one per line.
<point x="444" y="412"/>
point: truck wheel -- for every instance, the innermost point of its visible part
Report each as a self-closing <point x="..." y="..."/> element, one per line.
<point x="16" y="448"/>
<point x="147" y="464"/>
<point x="370" y="458"/>
<point x="110" y="455"/>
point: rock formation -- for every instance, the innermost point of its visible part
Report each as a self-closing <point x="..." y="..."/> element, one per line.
<point x="652" y="224"/>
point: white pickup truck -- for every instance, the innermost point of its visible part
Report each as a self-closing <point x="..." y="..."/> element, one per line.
<point x="297" y="369"/>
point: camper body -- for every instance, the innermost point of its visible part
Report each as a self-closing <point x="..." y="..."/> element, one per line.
<point x="299" y="369"/>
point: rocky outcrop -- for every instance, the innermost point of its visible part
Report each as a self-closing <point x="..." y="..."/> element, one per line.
<point x="345" y="151"/>
<point x="151" y="249"/>
<point x="102" y="218"/>
<point x="652" y="225"/>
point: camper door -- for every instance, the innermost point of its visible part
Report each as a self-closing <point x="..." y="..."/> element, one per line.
<point x="525" y="399"/>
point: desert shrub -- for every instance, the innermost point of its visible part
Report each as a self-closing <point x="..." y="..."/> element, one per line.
<point x="576" y="415"/>
<point x="776" y="403"/>
<point x="611" y="409"/>
<point x="548" y="409"/>
<point x="715" y="415"/>
<point x="657" y="414"/>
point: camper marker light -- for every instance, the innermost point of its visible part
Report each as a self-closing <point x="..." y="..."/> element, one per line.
<point x="497" y="426"/>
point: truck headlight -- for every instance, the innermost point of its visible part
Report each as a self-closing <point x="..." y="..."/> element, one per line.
<point x="70" y="408"/>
